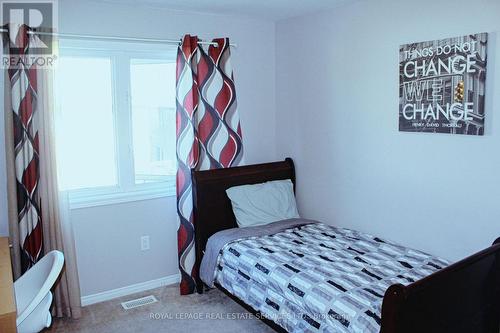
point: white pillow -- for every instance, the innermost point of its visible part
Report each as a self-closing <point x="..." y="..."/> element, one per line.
<point x="263" y="203"/>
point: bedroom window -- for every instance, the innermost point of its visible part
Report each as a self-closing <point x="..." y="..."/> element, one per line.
<point x="79" y="115"/>
<point x="115" y="121"/>
<point x="153" y="120"/>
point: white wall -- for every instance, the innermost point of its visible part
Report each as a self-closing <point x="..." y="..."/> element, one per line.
<point x="108" y="237"/>
<point x="107" y="240"/>
<point x="337" y="105"/>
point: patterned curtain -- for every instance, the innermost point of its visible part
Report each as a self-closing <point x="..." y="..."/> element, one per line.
<point x="208" y="132"/>
<point x="23" y="85"/>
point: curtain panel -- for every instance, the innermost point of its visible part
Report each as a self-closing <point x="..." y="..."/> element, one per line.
<point x="208" y="132"/>
<point x="57" y="227"/>
<point x="38" y="221"/>
<point x="26" y="143"/>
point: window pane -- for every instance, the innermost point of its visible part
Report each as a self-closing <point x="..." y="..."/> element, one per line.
<point x="84" y="126"/>
<point x="153" y="119"/>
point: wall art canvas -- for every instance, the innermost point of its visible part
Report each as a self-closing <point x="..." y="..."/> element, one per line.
<point x="442" y="85"/>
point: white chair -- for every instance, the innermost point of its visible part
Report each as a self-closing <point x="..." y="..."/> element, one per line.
<point x="33" y="296"/>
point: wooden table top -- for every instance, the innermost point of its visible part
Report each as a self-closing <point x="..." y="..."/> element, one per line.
<point x="8" y="303"/>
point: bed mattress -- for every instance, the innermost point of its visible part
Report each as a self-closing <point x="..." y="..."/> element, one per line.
<point x="319" y="278"/>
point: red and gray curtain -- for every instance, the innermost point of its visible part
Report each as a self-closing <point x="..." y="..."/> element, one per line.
<point x="32" y="187"/>
<point x="208" y="132"/>
<point x="23" y="91"/>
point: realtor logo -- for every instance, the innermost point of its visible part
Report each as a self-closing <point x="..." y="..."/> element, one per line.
<point x="40" y="18"/>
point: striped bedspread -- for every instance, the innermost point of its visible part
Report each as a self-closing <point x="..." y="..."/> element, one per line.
<point x="319" y="278"/>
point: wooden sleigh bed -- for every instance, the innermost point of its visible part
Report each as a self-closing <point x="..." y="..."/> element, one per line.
<point x="463" y="297"/>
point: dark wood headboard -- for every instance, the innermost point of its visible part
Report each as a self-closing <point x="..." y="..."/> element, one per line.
<point x="212" y="211"/>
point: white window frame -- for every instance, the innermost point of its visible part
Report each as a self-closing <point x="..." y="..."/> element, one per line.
<point x="126" y="189"/>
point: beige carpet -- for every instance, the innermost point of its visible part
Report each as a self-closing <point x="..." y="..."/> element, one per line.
<point x="210" y="312"/>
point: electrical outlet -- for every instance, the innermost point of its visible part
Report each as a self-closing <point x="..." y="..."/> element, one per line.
<point x="144" y="243"/>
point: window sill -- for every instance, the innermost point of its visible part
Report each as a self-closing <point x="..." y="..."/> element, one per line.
<point x="80" y="200"/>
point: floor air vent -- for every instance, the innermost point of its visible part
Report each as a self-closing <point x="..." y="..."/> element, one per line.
<point x="135" y="303"/>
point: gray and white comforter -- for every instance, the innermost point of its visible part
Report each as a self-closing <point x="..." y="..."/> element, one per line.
<point x="318" y="278"/>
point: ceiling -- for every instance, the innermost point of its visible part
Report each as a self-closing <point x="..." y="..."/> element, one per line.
<point x="268" y="9"/>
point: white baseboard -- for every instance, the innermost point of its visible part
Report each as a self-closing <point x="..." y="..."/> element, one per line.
<point x="128" y="290"/>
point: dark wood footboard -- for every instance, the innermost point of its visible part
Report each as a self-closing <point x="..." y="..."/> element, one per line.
<point x="463" y="297"/>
